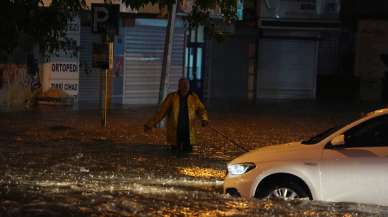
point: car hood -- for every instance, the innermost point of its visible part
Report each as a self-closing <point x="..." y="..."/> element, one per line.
<point x="284" y="152"/>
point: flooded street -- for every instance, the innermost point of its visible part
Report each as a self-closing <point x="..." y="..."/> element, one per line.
<point x="56" y="162"/>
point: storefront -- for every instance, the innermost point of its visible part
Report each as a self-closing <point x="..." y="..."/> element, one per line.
<point x="138" y="55"/>
<point x="290" y="46"/>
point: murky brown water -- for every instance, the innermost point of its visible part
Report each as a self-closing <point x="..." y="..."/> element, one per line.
<point x="64" y="164"/>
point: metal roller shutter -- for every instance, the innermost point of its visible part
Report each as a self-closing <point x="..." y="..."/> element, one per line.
<point x="143" y="58"/>
<point x="287" y="69"/>
<point x="89" y="78"/>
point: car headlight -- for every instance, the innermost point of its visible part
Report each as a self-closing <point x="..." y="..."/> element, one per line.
<point x="241" y="168"/>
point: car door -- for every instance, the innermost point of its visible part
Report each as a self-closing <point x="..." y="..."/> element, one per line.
<point x="358" y="170"/>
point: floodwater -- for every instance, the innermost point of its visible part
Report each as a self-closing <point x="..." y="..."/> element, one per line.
<point x="62" y="163"/>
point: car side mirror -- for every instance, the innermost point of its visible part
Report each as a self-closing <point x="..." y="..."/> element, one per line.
<point x="338" y="140"/>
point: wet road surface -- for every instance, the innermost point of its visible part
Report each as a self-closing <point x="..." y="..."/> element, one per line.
<point x="57" y="162"/>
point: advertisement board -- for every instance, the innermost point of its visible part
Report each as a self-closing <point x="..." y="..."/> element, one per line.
<point x="61" y="69"/>
<point x="62" y="75"/>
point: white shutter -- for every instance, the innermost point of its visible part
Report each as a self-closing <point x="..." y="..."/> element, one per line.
<point x="143" y="58"/>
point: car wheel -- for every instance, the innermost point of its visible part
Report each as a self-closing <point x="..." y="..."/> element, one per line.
<point x="283" y="190"/>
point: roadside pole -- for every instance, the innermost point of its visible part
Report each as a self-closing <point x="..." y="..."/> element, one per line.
<point x="105" y="21"/>
<point x="167" y="54"/>
<point x="107" y="81"/>
<point x="104" y="107"/>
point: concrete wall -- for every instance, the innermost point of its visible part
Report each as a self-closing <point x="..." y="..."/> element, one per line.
<point x="15" y="89"/>
<point x="371" y="43"/>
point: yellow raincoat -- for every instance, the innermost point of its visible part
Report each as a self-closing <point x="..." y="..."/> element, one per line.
<point x="170" y="107"/>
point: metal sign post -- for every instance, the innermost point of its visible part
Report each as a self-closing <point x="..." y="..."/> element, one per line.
<point x="105" y="100"/>
<point x="105" y="20"/>
<point x="108" y="75"/>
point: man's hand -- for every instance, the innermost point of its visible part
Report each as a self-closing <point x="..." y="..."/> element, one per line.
<point x="147" y="128"/>
<point x="204" y="123"/>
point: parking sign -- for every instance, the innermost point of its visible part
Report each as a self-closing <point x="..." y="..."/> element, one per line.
<point x="105" y="18"/>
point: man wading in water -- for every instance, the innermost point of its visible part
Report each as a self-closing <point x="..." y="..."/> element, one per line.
<point x="182" y="108"/>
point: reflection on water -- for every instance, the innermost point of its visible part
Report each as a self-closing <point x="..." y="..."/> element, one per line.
<point x="96" y="183"/>
<point x="202" y="172"/>
<point x="123" y="195"/>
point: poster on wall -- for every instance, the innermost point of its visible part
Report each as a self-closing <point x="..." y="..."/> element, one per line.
<point x="62" y="75"/>
<point x="61" y="69"/>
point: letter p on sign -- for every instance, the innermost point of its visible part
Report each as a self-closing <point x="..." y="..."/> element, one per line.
<point x="105" y="18"/>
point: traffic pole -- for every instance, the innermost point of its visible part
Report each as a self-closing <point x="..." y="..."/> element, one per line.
<point x="104" y="116"/>
<point x="167" y="54"/>
<point x="108" y="73"/>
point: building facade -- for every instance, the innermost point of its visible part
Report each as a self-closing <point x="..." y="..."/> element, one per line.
<point x="282" y="53"/>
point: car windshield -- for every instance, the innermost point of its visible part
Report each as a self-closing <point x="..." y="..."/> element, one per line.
<point x="319" y="137"/>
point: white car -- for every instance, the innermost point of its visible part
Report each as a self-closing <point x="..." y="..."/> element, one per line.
<point x="343" y="164"/>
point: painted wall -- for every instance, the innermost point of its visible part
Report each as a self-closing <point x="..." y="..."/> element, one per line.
<point x="15" y="86"/>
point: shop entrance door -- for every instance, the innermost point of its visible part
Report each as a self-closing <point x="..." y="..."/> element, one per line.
<point x="194" y="59"/>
